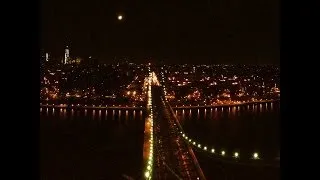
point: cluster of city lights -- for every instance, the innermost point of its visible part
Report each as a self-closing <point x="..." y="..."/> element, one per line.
<point x="164" y="87"/>
<point x="222" y="153"/>
<point x="149" y="165"/>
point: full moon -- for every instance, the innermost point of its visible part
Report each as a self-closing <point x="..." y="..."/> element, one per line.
<point x="120" y="17"/>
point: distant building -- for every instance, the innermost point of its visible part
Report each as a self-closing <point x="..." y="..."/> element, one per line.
<point x="78" y="60"/>
<point x="47" y="56"/>
<point x="42" y="55"/>
<point x="66" y="55"/>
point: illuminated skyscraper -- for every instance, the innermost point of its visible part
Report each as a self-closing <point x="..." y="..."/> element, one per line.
<point x="66" y="55"/>
<point x="47" y="56"/>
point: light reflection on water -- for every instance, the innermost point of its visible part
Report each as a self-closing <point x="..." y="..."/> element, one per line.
<point x="205" y="113"/>
<point x="126" y="115"/>
<point x="100" y="114"/>
<point x="198" y="114"/>
<point x="64" y="113"/>
<point x="134" y="113"/>
<point x="72" y="114"/>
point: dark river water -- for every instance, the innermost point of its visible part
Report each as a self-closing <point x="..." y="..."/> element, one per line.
<point x="100" y="144"/>
<point x="92" y="144"/>
<point x="246" y="129"/>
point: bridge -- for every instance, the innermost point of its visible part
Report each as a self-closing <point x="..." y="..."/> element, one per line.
<point x="166" y="154"/>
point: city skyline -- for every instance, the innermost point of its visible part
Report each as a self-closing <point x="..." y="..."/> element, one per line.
<point x="46" y="55"/>
<point x="179" y="32"/>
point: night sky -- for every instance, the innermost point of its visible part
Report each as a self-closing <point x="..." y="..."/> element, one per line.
<point x="177" y="31"/>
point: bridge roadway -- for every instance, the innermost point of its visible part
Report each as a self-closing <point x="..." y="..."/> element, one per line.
<point x="174" y="159"/>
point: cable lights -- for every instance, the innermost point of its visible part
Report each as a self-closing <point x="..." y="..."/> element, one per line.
<point x="235" y="155"/>
<point x="255" y="156"/>
<point x="223" y="153"/>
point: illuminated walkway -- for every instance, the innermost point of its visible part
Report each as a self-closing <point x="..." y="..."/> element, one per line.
<point x="173" y="155"/>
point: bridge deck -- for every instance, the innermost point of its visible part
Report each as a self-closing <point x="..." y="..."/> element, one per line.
<point x="173" y="157"/>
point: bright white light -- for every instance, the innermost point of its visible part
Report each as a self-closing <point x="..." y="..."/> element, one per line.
<point x="212" y="150"/>
<point x="147" y="174"/>
<point x="223" y="153"/>
<point x="194" y="143"/>
<point x="255" y="155"/>
<point x="205" y="148"/>
<point x="120" y="17"/>
<point x="199" y="145"/>
<point x="236" y="154"/>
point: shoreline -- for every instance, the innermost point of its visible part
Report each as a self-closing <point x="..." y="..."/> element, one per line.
<point x="78" y="106"/>
<point x="224" y="105"/>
